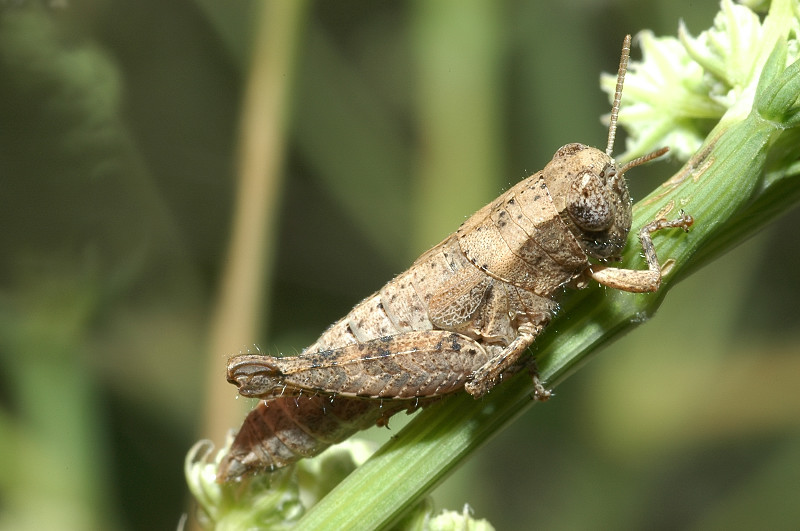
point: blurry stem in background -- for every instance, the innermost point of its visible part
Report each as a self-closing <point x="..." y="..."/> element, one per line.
<point x="459" y="94"/>
<point x="239" y="310"/>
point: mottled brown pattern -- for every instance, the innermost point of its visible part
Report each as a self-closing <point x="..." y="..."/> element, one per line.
<point x="460" y="317"/>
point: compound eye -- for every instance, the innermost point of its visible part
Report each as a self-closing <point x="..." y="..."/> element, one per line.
<point x="587" y="204"/>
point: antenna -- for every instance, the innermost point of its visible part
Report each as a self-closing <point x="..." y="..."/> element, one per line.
<point x="623" y="67"/>
<point x="644" y="158"/>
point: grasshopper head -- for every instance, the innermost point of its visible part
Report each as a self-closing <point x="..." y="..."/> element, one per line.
<point x="589" y="190"/>
<point x="592" y="197"/>
<point x="598" y="205"/>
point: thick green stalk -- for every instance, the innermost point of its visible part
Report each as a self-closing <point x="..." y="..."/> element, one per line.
<point x="735" y="184"/>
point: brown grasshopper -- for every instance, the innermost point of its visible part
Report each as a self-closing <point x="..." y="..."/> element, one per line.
<point x="460" y="317"/>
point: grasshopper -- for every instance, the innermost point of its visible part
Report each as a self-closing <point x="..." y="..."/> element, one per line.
<point x="461" y="317"/>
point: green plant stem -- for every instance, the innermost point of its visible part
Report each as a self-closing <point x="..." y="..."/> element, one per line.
<point x="733" y="188"/>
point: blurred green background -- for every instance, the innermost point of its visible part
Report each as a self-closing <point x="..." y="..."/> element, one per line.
<point x="119" y="152"/>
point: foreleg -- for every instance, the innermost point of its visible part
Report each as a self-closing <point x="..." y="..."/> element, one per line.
<point x="640" y="281"/>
